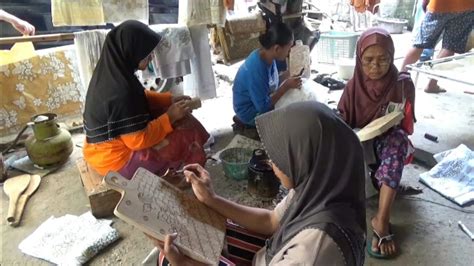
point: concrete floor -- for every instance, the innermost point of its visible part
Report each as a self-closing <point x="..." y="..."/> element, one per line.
<point x="425" y="225"/>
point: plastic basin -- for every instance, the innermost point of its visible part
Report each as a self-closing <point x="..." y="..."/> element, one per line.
<point x="235" y="162"/>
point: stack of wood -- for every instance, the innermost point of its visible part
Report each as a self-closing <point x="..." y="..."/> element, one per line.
<point x="238" y="37"/>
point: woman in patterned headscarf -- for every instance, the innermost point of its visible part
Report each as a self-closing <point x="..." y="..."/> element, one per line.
<point x="322" y="219"/>
<point x="376" y="89"/>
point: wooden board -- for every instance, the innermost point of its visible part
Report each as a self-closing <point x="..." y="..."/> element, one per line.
<point x="32" y="187"/>
<point x="101" y="198"/>
<point x="379" y="126"/>
<point x="157" y="208"/>
<point x="14" y="187"/>
<point x="194" y="103"/>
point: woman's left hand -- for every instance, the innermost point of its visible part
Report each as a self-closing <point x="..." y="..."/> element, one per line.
<point x="24" y="27"/>
<point x="178" y="98"/>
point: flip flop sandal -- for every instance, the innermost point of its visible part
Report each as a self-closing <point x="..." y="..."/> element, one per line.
<point x="380" y="241"/>
<point x="437" y="90"/>
<point x="408" y="190"/>
<point x="334" y="84"/>
<point x="319" y="78"/>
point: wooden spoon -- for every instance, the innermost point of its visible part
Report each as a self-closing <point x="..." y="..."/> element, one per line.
<point x="13" y="187"/>
<point x="32" y="186"/>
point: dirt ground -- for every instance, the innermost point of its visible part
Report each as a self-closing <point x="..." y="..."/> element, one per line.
<point x="425" y="225"/>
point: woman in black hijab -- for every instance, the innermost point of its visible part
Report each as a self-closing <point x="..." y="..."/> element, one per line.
<point x="129" y="127"/>
<point x="322" y="220"/>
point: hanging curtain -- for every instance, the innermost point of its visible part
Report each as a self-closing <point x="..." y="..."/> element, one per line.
<point x="201" y="82"/>
<point x="43" y="83"/>
<point x="97" y="12"/>
<point x="77" y="13"/>
<point x="200" y="12"/>
<point x="88" y="46"/>
<point x="174" y="52"/>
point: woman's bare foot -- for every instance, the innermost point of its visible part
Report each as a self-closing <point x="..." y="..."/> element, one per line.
<point x="387" y="247"/>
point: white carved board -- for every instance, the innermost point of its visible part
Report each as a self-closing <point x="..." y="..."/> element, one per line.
<point x="157" y="208"/>
<point x="380" y="126"/>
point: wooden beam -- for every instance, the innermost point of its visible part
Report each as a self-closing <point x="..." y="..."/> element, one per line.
<point x="38" y="38"/>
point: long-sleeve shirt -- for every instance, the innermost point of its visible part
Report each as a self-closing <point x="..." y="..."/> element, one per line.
<point x="255" y="81"/>
<point x="113" y="155"/>
<point x="309" y="247"/>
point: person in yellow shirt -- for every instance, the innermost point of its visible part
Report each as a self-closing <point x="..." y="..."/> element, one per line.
<point x="452" y="18"/>
<point x="128" y="127"/>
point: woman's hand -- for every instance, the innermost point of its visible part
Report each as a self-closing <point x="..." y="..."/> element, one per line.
<point x="171" y="252"/>
<point x="24" y="27"/>
<point x="200" y="181"/>
<point x="178" y="98"/>
<point x="293" y="83"/>
<point x="177" y="111"/>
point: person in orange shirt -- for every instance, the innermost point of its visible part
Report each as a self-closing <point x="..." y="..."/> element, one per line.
<point x="452" y="18"/>
<point x="128" y="127"/>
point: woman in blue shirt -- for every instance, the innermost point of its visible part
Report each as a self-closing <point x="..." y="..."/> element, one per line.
<point x="256" y="86"/>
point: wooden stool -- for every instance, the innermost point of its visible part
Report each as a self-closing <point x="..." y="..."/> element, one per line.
<point x="102" y="199"/>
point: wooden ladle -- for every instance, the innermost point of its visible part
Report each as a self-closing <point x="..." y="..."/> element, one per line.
<point x="13" y="187"/>
<point x="32" y="187"/>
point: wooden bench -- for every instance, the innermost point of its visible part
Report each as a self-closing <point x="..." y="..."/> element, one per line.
<point x="102" y="199"/>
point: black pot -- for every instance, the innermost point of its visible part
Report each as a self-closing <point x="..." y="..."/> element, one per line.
<point x="262" y="181"/>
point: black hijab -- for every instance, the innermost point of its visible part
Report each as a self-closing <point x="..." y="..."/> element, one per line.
<point x="323" y="157"/>
<point x="116" y="102"/>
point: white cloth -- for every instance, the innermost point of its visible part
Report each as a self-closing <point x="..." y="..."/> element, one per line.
<point x="70" y="239"/>
<point x="201" y="12"/>
<point x="88" y="46"/>
<point x="174" y="52"/>
<point x="453" y="176"/>
<point x="201" y="83"/>
<point x="310" y="91"/>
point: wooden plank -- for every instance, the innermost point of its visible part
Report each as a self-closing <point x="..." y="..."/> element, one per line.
<point x="222" y="40"/>
<point x="102" y="199"/>
<point x="379" y="126"/>
<point x="38" y="38"/>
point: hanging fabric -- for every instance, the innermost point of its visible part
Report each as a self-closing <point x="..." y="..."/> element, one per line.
<point x="201" y="12"/>
<point x="117" y="11"/>
<point x="201" y="82"/>
<point x="77" y="13"/>
<point x="174" y="52"/>
<point x="97" y="12"/>
<point x="47" y="82"/>
<point x="88" y="46"/>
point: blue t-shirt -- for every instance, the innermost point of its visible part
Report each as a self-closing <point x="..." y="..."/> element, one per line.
<point x="253" y="84"/>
